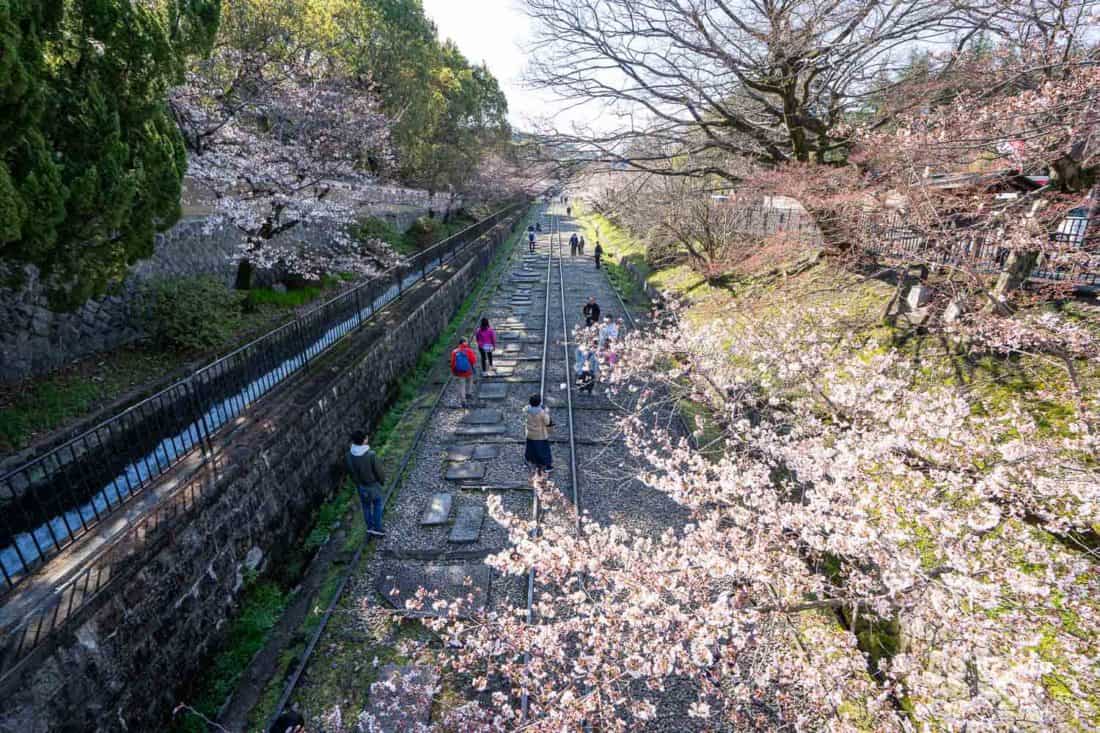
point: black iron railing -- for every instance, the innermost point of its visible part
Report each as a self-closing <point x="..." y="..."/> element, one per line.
<point x="48" y="503"/>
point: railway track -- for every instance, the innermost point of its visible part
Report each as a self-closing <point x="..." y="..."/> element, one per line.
<point x="540" y="333"/>
<point x="553" y="287"/>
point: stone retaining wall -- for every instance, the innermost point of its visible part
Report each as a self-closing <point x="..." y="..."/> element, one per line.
<point x="36" y="340"/>
<point x="117" y="664"/>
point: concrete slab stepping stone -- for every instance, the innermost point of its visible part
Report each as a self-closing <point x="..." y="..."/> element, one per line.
<point x="465" y="471"/>
<point x="486" y="452"/>
<point x="448" y="582"/>
<point x="502" y="371"/>
<point x="482" y="416"/>
<point x="467" y="526"/>
<point x="472" y="451"/>
<point x="460" y="453"/>
<point x="402" y="697"/>
<point x="438" y="509"/>
<point x="492" y="391"/>
<point x="480" y="430"/>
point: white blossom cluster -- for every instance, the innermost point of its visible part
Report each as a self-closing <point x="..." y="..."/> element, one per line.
<point x="281" y="147"/>
<point x="846" y="486"/>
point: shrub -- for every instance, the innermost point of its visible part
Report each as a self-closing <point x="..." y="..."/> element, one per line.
<point x="376" y="228"/>
<point x="661" y="251"/>
<point x="192" y="313"/>
<point x="423" y="231"/>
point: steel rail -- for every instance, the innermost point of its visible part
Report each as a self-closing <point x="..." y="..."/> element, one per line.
<point x="569" y="390"/>
<point x="536" y="509"/>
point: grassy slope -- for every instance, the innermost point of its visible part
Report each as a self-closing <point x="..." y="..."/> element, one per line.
<point x="994" y="381"/>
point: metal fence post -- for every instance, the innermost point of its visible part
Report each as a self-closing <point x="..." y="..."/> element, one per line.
<point x="302" y="341"/>
<point x="200" y="418"/>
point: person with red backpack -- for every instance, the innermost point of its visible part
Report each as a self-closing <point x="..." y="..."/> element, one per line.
<point x="462" y="367"/>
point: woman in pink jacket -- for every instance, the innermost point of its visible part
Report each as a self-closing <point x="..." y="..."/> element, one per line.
<point x="486" y="339"/>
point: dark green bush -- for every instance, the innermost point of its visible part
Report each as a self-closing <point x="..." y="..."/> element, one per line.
<point x="192" y="313"/>
<point x="376" y="228"/>
<point x="423" y="232"/>
<point x="661" y="251"/>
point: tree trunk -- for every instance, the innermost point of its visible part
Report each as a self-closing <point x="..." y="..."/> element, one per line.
<point x="1015" y="273"/>
<point x="245" y="273"/>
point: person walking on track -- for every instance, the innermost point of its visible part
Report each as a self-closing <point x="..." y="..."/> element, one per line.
<point x="486" y="339"/>
<point x="531" y="238"/>
<point x="598" y="253"/>
<point x="591" y="311"/>
<point x="367" y="475"/>
<point x="574" y="242"/>
<point x="462" y="368"/>
<point x="580" y="246"/>
<point x="569" y="211"/>
<point x="537" y="424"/>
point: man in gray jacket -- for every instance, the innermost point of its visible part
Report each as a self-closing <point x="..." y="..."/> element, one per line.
<point x="367" y="475"/>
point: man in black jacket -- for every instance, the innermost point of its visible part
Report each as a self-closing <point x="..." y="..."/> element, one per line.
<point x="591" y="311"/>
<point x="367" y="475"/>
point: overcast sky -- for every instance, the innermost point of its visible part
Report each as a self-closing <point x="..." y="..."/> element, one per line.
<point x="493" y="31"/>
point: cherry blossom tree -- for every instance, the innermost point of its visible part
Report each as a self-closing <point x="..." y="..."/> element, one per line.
<point x="869" y="549"/>
<point x="280" y="139"/>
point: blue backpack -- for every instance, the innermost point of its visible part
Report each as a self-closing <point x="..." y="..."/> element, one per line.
<point x="462" y="362"/>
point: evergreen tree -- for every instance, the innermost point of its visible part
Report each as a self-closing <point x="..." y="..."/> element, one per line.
<point x="91" y="162"/>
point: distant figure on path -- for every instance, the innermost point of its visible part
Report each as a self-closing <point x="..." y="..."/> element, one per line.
<point x="531" y="239"/>
<point x="574" y="242"/>
<point x="580" y="246"/>
<point x="598" y="253"/>
<point x="587" y="368"/>
<point x="610" y="355"/>
<point x="486" y="339"/>
<point x="605" y="332"/>
<point x="609" y="331"/>
<point x="367" y="475"/>
<point x="586" y="380"/>
<point x="462" y="367"/>
<point x="569" y="211"/>
<point x="537" y="424"/>
<point x="591" y="311"/>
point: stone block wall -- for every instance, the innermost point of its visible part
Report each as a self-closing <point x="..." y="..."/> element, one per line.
<point x="36" y="340"/>
<point x="118" y="664"/>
